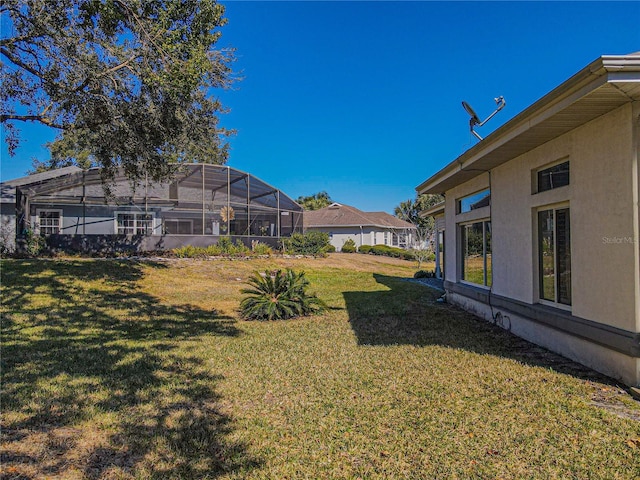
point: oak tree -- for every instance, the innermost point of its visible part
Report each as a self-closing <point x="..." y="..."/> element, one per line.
<point x="125" y="83"/>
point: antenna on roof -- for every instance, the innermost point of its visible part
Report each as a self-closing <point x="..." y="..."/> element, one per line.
<point x="475" y="120"/>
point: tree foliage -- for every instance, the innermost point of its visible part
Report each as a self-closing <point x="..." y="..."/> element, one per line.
<point x="409" y="210"/>
<point x="125" y="82"/>
<point x="315" y="202"/>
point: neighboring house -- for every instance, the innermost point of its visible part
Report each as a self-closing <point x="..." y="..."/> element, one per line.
<point x="542" y="220"/>
<point x="343" y="222"/>
<point x="199" y="205"/>
<point x="8" y="203"/>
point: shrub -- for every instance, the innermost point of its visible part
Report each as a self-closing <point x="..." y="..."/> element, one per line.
<point x="309" y="243"/>
<point x="260" y="248"/>
<point x="188" y="251"/>
<point x="213" y="251"/>
<point x="240" y="248"/>
<point x="407" y="255"/>
<point x="349" y="246"/>
<point x="364" y="249"/>
<point x="388" y="251"/>
<point x="225" y="245"/>
<point x="424" y="274"/>
<point x="330" y="249"/>
<point x="277" y="296"/>
<point x="34" y="245"/>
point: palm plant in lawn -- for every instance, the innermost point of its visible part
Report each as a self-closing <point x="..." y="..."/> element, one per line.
<point x="278" y="295"/>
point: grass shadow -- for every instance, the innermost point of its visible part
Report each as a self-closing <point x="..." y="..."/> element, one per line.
<point x="84" y="344"/>
<point x="407" y="314"/>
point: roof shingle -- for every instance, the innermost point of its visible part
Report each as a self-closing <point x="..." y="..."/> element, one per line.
<point x="337" y="215"/>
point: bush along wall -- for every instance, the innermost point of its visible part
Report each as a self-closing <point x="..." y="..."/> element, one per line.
<point x="309" y="243"/>
<point x="349" y="246"/>
<point x="387" y="251"/>
<point x="225" y="248"/>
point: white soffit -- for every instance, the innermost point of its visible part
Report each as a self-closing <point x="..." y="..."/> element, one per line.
<point x="601" y="87"/>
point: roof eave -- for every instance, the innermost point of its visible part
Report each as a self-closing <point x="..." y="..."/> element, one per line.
<point x="358" y="225"/>
<point x="593" y="76"/>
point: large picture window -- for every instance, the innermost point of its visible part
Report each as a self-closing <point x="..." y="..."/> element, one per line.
<point x="554" y="255"/>
<point x="476" y="253"/>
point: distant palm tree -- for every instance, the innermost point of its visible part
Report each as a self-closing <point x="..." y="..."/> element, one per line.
<point x="315" y="202"/>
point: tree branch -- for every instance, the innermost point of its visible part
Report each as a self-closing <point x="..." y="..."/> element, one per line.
<point x="17" y="61"/>
<point x="31" y="118"/>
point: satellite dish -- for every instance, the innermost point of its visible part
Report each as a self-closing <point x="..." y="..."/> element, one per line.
<point x="475" y="120"/>
<point x="471" y="112"/>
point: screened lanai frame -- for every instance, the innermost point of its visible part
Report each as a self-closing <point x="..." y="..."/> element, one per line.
<point x="199" y="200"/>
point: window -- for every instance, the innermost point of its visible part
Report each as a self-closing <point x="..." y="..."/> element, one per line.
<point x="554" y="255"/>
<point x="475" y="201"/>
<point x="476" y="253"/>
<point x="553" y="177"/>
<point x="49" y="221"/>
<point x="173" y="226"/>
<point x="134" y="224"/>
<point x="386" y="238"/>
<point x="399" y="240"/>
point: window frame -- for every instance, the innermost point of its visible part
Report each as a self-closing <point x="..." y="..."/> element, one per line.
<point x="487" y="275"/>
<point x="178" y="220"/>
<point x="460" y="200"/>
<point x="539" y="260"/>
<point x="147" y="232"/>
<point x="536" y="173"/>
<point x="38" y="222"/>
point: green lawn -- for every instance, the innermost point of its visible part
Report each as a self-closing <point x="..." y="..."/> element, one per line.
<point x="119" y="369"/>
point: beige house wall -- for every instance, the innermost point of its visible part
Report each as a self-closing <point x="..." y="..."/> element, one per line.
<point x="601" y="201"/>
<point x="365" y="236"/>
<point x="635" y="166"/>
<point x="605" y="242"/>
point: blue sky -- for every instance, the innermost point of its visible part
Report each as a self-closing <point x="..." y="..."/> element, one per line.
<point x="363" y="99"/>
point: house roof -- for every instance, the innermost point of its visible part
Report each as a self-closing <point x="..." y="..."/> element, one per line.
<point x="338" y="215"/>
<point x="8" y="188"/>
<point x="602" y="86"/>
<point x="73" y="185"/>
<point x="437" y="209"/>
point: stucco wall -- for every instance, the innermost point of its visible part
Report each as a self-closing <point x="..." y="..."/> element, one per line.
<point x="604" y="219"/>
<point x="339" y="235"/>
